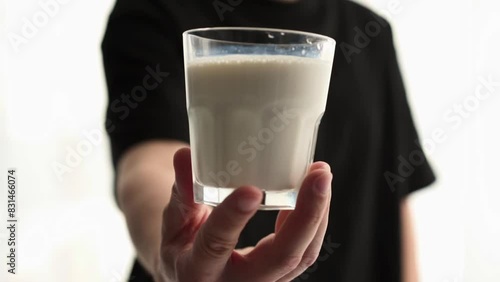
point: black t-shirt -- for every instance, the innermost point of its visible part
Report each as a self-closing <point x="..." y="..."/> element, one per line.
<point x="367" y="134"/>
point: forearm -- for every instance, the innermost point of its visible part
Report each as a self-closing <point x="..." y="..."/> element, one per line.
<point x="145" y="179"/>
<point x="408" y="244"/>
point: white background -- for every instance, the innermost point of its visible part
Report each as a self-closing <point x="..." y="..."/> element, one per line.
<point x="52" y="92"/>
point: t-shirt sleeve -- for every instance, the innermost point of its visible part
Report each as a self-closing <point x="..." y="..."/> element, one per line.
<point x="143" y="62"/>
<point x="407" y="168"/>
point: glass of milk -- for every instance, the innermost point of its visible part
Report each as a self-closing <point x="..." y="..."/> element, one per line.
<point x="255" y="98"/>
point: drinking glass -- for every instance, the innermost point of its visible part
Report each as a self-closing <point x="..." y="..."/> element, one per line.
<point x="255" y="98"/>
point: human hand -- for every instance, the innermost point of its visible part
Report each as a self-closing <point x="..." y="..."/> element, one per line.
<point x="198" y="241"/>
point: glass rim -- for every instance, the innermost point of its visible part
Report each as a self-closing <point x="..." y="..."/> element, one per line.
<point x="191" y="32"/>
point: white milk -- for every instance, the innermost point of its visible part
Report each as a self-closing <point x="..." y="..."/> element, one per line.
<point x="254" y="118"/>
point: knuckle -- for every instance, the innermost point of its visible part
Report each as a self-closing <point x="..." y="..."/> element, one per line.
<point x="215" y="246"/>
<point x="309" y="260"/>
<point x="290" y="263"/>
<point x="313" y="216"/>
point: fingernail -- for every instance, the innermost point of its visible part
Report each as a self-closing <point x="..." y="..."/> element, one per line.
<point x="322" y="183"/>
<point x="326" y="167"/>
<point x="248" y="204"/>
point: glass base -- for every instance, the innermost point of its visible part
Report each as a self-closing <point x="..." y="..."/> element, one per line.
<point x="272" y="200"/>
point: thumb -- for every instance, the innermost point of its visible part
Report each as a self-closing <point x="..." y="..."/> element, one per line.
<point x="182" y="216"/>
<point x="183" y="186"/>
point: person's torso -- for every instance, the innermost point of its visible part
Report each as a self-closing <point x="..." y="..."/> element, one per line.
<point x="362" y="240"/>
